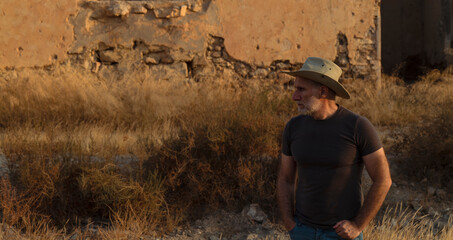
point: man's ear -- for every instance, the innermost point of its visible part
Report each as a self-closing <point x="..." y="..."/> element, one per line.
<point x="324" y="91"/>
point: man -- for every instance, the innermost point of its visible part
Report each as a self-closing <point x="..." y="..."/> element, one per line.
<point x="328" y="145"/>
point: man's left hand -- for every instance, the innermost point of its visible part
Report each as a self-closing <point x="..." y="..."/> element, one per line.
<point x="347" y="229"/>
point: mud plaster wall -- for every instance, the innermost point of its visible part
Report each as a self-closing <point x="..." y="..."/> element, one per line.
<point x="189" y="39"/>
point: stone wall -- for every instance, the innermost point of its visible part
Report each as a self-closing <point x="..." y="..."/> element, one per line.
<point x="189" y="39"/>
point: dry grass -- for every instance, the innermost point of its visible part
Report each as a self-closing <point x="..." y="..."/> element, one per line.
<point x="140" y="156"/>
<point x="398" y="104"/>
<point x="416" y="120"/>
<point x="399" y="223"/>
<point x="80" y="149"/>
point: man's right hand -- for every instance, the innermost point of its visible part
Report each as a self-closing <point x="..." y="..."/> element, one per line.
<point x="290" y="224"/>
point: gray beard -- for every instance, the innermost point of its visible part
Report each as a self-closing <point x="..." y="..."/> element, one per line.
<point x="310" y="109"/>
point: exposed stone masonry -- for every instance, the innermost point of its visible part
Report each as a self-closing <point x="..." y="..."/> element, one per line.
<point x="160" y="9"/>
<point x="223" y="62"/>
<point x="185" y="40"/>
<point x="161" y="58"/>
<point x="365" y="58"/>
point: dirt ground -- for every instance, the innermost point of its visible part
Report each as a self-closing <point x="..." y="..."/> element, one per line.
<point x="432" y="202"/>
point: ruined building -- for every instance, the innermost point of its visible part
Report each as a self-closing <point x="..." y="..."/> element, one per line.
<point x="198" y="39"/>
<point x="416" y="33"/>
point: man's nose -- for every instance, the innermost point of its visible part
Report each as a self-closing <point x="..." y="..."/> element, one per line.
<point x="296" y="96"/>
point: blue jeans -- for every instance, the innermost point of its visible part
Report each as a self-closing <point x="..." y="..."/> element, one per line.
<point x="304" y="232"/>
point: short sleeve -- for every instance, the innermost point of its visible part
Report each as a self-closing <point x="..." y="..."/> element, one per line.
<point x="286" y="141"/>
<point x="366" y="137"/>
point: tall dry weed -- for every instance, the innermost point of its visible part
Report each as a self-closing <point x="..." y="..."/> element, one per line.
<point x="399" y="104"/>
<point x="426" y="147"/>
<point x="417" y="119"/>
<point x="146" y="155"/>
<point x="63" y="133"/>
<point x="399" y="223"/>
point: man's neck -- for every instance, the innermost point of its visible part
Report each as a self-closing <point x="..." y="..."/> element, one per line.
<point x="327" y="110"/>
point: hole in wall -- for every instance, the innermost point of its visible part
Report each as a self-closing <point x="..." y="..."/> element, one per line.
<point x="189" y="65"/>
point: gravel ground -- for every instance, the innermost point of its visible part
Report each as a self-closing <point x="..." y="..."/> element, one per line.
<point x="432" y="202"/>
<point x="250" y="224"/>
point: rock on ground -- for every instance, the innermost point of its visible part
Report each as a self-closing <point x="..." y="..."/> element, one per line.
<point x="251" y="223"/>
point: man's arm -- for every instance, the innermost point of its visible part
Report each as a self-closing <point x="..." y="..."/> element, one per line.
<point x="285" y="190"/>
<point x="377" y="167"/>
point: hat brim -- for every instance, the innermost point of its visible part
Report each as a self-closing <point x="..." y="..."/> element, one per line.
<point x="337" y="87"/>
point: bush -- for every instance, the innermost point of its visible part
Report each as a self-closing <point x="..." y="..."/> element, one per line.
<point x="426" y="147"/>
<point x="186" y="147"/>
<point x="145" y="156"/>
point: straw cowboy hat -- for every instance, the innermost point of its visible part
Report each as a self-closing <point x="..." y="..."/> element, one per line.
<point x="324" y="72"/>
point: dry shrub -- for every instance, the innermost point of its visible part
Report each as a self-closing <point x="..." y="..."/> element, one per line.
<point x="191" y="147"/>
<point x="19" y="215"/>
<point x="133" y="223"/>
<point x="417" y="119"/>
<point x="247" y="121"/>
<point x="397" y="104"/>
<point x="424" y="140"/>
<point x="398" y="223"/>
<point x="109" y="191"/>
<point x="46" y="169"/>
<point x="387" y="106"/>
<point x="427" y="147"/>
<point x="16" y="208"/>
<point x="70" y="98"/>
<point x="256" y="180"/>
<point x="219" y="141"/>
<point x="229" y="137"/>
<point x="69" y="186"/>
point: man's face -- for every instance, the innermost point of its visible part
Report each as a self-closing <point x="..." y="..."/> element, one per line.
<point x="305" y="95"/>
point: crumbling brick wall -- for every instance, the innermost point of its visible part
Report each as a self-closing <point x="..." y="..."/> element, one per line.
<point x="189" y="39"/>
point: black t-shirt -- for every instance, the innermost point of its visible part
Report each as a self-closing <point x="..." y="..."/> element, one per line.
<point x="328" y="154"/>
